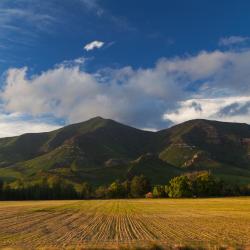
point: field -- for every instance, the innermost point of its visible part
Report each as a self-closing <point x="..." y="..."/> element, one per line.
<point x="125" y="223"/>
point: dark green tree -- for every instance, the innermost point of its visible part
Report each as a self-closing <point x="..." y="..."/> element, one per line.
<point x="86" y="190"/>
<point x="140" y="185"/>
<point x="159" y="191"/>
<point x="126" y="186"/>
<point x="101" y="192"/>
<point x="204" y="184"/>
<point x="1" y="189"/>
<point x="116" y="190"/>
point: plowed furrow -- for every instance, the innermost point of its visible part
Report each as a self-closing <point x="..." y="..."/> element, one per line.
<point x="27" y="222"/>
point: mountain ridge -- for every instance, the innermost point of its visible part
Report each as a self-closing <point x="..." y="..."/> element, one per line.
<point x="101" y="150"/>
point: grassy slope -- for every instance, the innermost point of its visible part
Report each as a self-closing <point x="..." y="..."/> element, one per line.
<point x="154" y="168"/>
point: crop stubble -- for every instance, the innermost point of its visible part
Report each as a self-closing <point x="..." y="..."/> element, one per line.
<point x="101" y="223"/>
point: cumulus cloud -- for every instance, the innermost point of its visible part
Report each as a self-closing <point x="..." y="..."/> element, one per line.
<point x="229" y="109"/>
<point x="232" y="40"/>
<point x="127" y="95"/>
<point x="213" y="85"/>
<point x="93" y="45"/>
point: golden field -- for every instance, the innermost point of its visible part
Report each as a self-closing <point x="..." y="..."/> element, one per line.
<point x="114" y="224"/>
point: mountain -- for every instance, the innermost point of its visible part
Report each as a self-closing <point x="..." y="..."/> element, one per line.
<point x="101" y="150"/>
<point x="223" y="148"/>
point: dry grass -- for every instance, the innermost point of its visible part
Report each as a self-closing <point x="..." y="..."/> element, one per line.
<point x="125" y="223"/>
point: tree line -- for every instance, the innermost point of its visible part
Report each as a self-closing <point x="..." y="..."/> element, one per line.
<point x="200" y="184"/>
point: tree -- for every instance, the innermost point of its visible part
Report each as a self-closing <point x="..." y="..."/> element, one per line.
<point x="204" y="184"/>
<point x="61" y="189"/>
<point x="68" y="191"/>
<point x="116" y="190"/>
<point x="7" y="192"/>
<point x="101" y="192"/>
<point x="126" y="186"/>
<point x="199" y="184"/>
<point x="179" y="187"/>
<point x="45" y="192"/>
<point x="159" y="191"/>
<point x="1" y="189"/>
<point x="140" y="185"/>
<point x="86" y="190"/>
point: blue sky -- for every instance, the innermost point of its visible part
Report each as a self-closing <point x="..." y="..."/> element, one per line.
<point x="146" y="63"/>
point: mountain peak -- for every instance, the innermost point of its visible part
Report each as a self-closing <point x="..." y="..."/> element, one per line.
<point x="97" y="118"/>
<point x="99" y="121"/>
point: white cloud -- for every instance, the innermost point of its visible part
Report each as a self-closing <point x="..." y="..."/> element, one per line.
<point x="93" y="45"/>
<point x="213" y="85"/>
<point x="202" y="65"/>
<point x="232" y="40"/>
<point x="132" y="96"/>
<point x="71" y="63"/>
<point x="13" y="124"/>
<point x="229" y="109"/>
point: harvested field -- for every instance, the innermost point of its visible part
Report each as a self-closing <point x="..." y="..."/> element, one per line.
<point x="125" y="223"/>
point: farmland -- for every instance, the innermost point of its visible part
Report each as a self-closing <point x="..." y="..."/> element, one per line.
<point x="125" y="223"/>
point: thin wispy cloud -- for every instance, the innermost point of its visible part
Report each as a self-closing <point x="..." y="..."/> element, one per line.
<point x="71" y="63"/>
<point x="93" y="45"/>
<point x="233" y="40"/>
<point x="119" y="21"/>
<point x="107" y="45"/>
<point x="93" y="6"/>
<point x="10" y="17"/>
<point x="21" y="23"/>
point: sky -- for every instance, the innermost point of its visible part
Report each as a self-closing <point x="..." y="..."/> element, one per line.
<point x="148" y="64"/>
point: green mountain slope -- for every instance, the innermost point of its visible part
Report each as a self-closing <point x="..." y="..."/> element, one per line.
<point x="102" y="150"/>
<point x="223" y="148"/>
<point x="213" y="141"/>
